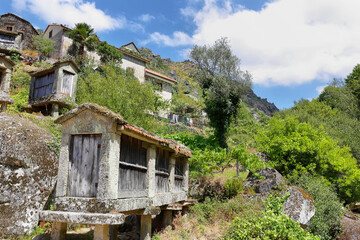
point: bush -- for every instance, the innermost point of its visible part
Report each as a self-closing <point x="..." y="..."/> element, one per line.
<point x="270" y="224"/>
<point x="328" y="208"/>
<point x="20" y="79"/>
<point x="20" y="99"/>
<point x="110" y="86"/>
<point x="297" y="147"/>
<point x="233" y="187"/>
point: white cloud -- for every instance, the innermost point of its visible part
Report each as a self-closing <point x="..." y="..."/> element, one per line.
<point x="178" y="39"/>
<point x="70" y="12"/>
<point x="146" y="18"/>
<point x="320" y="89"/>
<point x="287" y="42"/>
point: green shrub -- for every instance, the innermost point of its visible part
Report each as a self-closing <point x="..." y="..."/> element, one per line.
<point x="110" y="86"/>
<point x="20" y="79"/>
<point x="20" y="99"/>
<point x="269" y="224"/>
<point x="328" y="208"/>
<point x="295" y="147"/>
<point x="233" y="187"/>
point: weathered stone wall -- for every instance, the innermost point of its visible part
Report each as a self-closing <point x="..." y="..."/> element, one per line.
<point x="19" y="25"/>
<point x="137" y="65"/>
<point x="28" y="170"/>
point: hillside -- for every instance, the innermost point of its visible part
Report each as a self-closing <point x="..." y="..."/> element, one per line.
<point x="183" y="73"/>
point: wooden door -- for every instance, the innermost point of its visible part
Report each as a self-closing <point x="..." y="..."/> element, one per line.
<point x="84" y="165"/>
<point x="67" y="83"/>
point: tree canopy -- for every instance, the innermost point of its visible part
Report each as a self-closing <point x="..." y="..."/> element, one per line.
<point x="83" y="35"/>
<point x="223" y="83"/>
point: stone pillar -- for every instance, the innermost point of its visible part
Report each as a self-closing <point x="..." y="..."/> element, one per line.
<point x="54" y="110"/>
<point x="172" y="173"/>
<point x="58" y="231"/>
<point x="101" y="232"/>
<point x="167" y="218"/>
<point x="63" y="170"/>
<point x="150" y="177"/>
<point x="145" y="227"/>
<point x="3" y="107"/>
<point x="113" y="231"/>
<point x="109" y="166"/>
<point x="186" y="175"/>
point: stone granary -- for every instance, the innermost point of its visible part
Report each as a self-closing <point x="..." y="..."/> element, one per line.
<point x="109" y="168"/>
<point x="5" y="75"/>
<point x="53" y="87"/>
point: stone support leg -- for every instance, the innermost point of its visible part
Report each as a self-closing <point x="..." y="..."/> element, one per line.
<point x="167" y="218"/>
<point x="145" y="231"/>
<point x="101" y="232"/>
<point x="3" y="107"/>
<point x="58" y="231"/>
<point x="55" y="110"/>
<point x="113" y="231"/>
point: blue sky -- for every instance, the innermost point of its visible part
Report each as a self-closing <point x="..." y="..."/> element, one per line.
<point x="292" y="48"/>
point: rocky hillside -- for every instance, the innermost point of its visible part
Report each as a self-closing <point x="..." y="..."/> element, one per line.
<point x="183" y="73"/>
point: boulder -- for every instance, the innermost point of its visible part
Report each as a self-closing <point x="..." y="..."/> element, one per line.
<point x="271" y="179"/>
<point x="350" y="227"/>
<point x="28" y="170"/>
<point x="299" y="206"/>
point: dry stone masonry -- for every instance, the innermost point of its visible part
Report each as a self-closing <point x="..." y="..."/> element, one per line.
<point x="6" y="66"/>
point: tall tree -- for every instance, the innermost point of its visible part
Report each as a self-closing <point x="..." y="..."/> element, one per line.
<point x="352" y="81"/>
<point x="43" y="45"/>
<point x="222" y="82"/>
<point x="83" y="35"/>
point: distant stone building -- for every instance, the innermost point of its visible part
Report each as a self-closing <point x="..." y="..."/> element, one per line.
<point x="53" y="87"/>
<point x="133" y="61"/>
<point x="13" y="23"/>
<point x="59" y="34"/>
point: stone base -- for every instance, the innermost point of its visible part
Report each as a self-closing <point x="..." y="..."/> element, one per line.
<point x="85" y="218"/>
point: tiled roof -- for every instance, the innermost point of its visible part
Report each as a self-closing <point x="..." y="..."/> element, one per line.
<point x="159" y="75"/>
<point x="172" y="144"/>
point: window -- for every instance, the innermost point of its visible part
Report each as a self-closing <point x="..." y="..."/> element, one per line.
<point x="9" y="28"/>
<point x="50" y="34"/>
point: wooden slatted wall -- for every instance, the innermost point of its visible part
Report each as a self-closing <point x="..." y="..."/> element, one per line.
<point x="179" y="174"/>
<point x="44" y="85"/>
<point x="162" y="170"/>
<point x="132" y="168"/>
<point x="84" y="165"/>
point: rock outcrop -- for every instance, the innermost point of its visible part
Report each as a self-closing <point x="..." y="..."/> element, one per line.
<point x="28" y="170"/>
<point x="299" y="206"/>
<point x="273" y="179"/>
<point x="351" y="228"/>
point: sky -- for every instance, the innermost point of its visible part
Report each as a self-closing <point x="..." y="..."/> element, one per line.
<point x="292" y="48"/>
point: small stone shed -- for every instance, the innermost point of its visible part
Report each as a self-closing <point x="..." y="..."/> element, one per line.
<point x="53" y="87"/>
<point x="5" y="76"/>
<point x="109" y="168"/>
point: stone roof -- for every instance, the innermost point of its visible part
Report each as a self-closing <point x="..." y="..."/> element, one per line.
<point x="169" y="143"/>
<point x="126" y="51"/>
<point x="53" y="67"/>
<point x="4" y="56"/>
